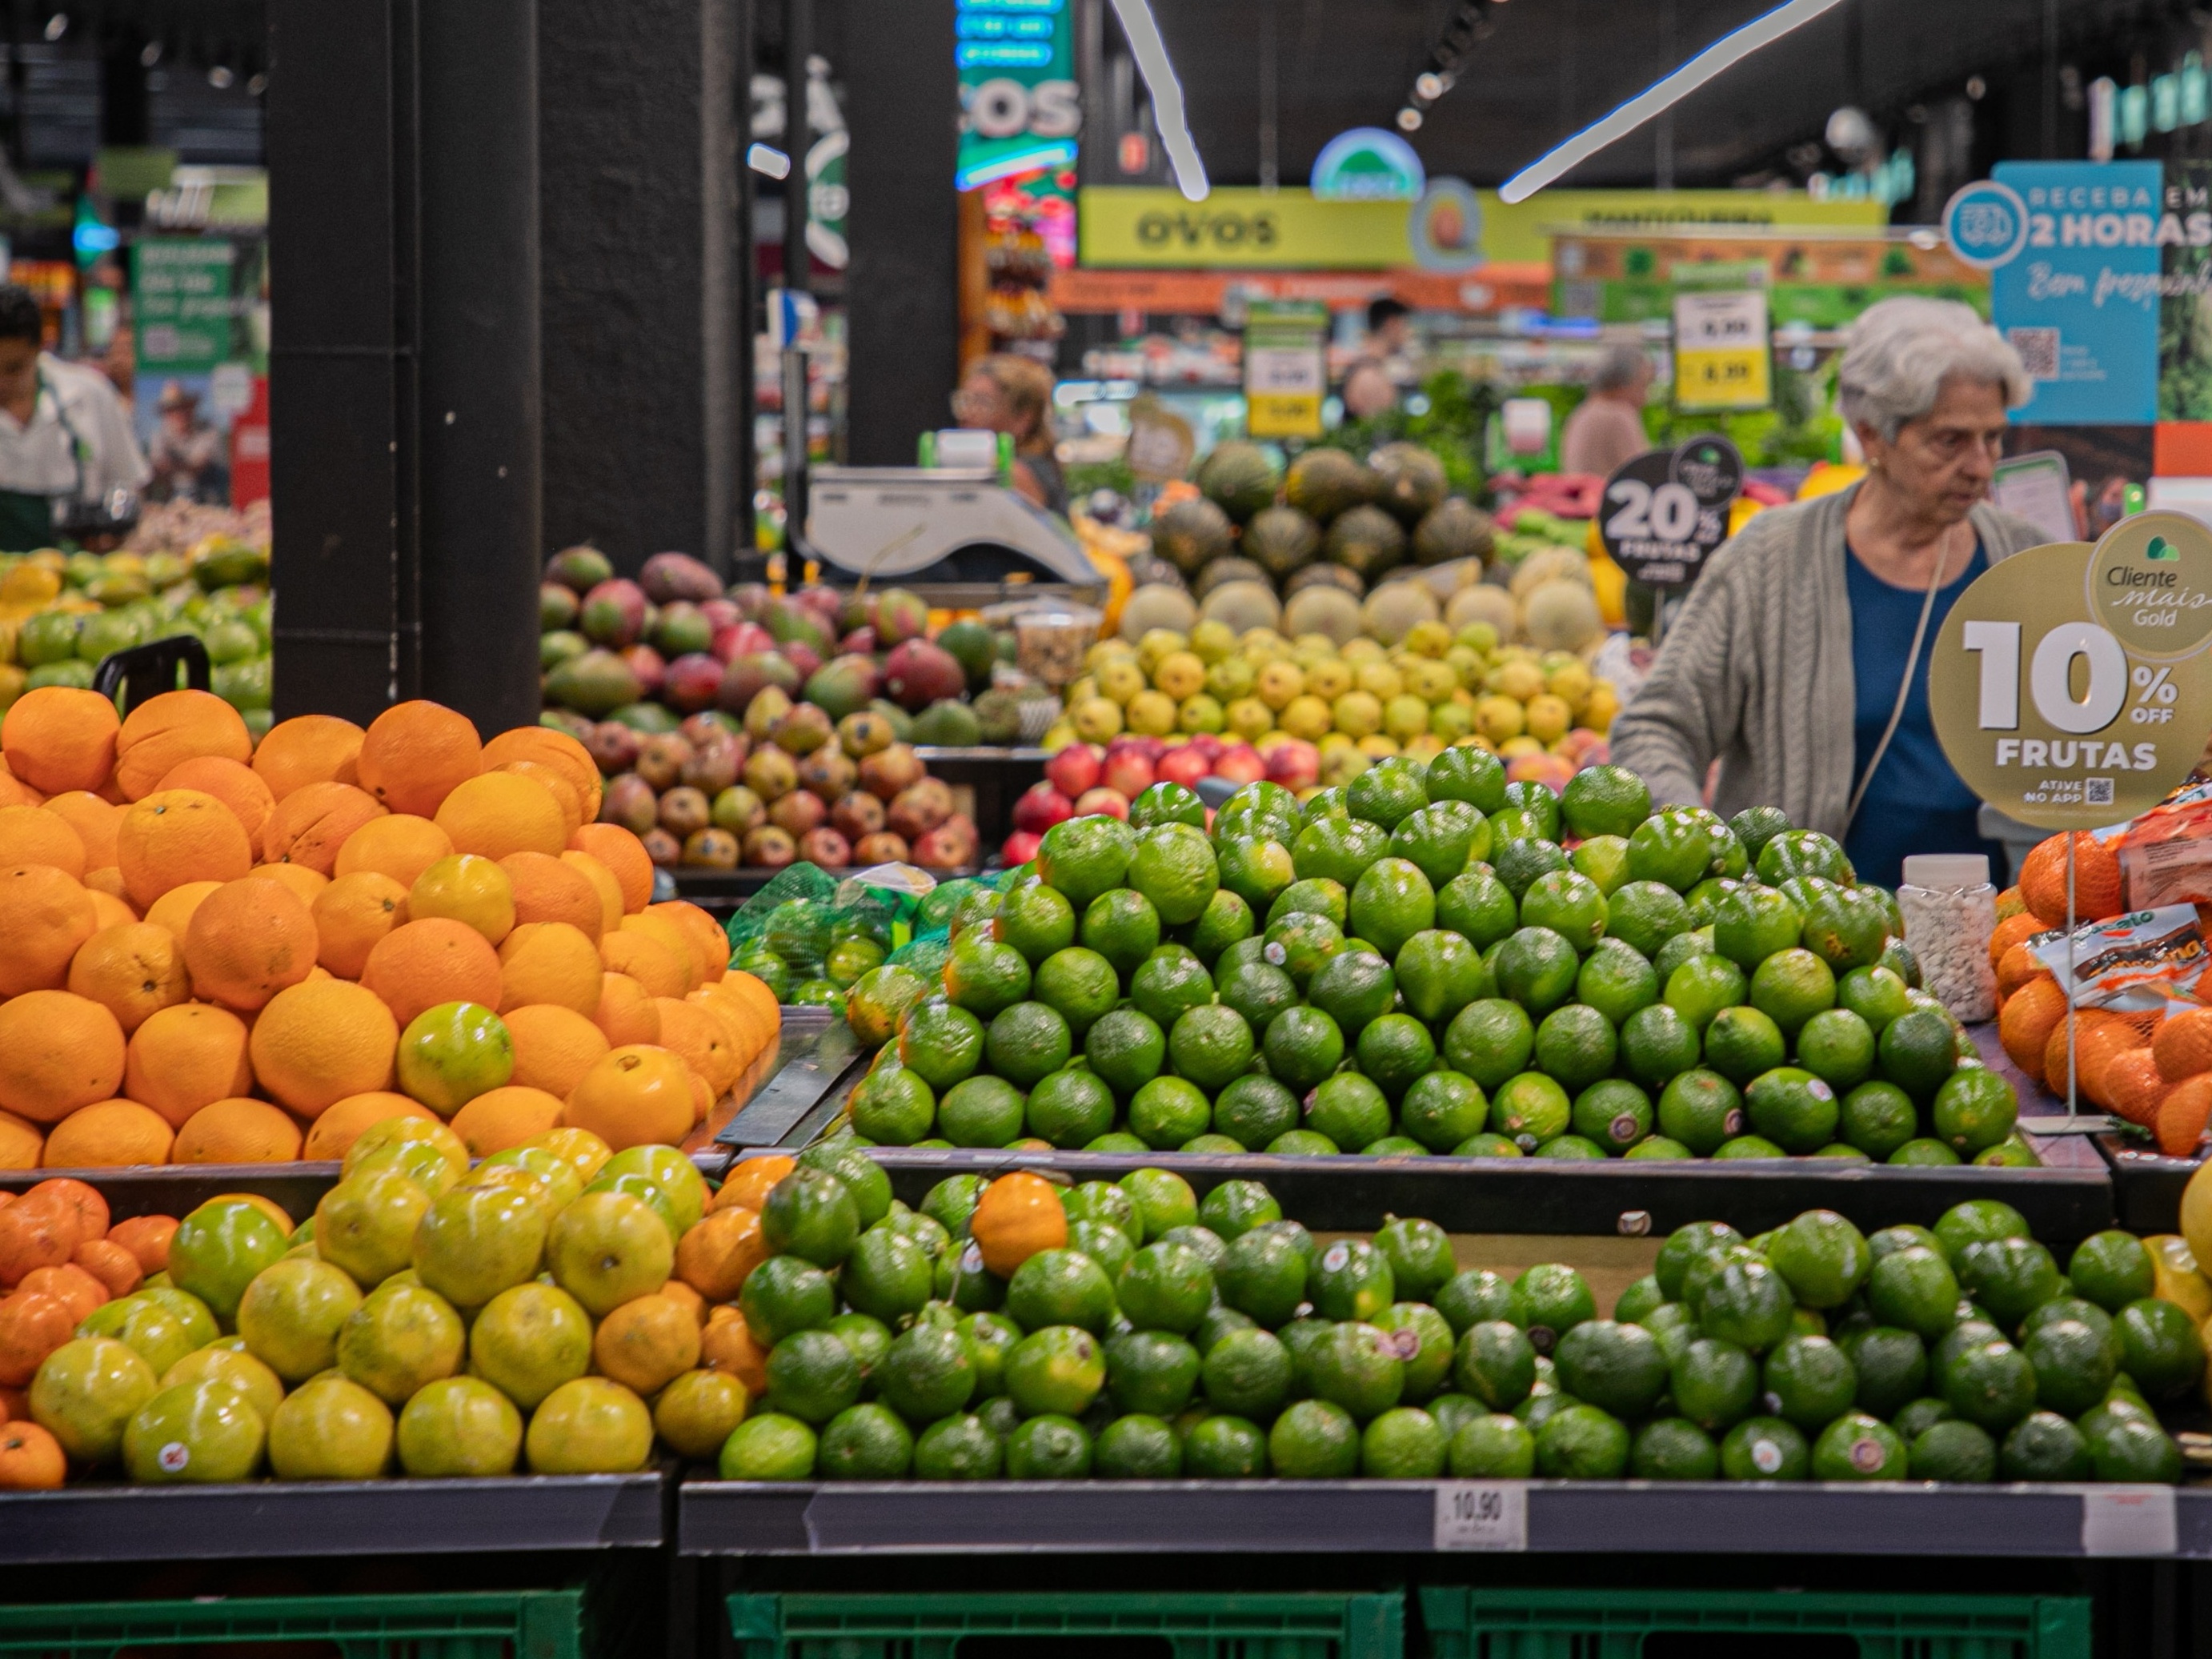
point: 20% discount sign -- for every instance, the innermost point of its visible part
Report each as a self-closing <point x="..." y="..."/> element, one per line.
<point x="2070" y="685"/>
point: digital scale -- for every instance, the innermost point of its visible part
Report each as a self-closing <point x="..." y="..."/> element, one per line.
<point x="939" y="526"/>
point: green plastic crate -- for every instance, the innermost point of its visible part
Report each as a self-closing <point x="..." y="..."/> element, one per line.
<point x="1602" y="1624"/>
<point x="1191" y="1624"/>
<point x="464" y="1625"/>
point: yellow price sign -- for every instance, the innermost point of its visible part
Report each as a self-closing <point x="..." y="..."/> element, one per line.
<point x="1722" y="359"/>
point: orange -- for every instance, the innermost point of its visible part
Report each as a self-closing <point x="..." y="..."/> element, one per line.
<point x="2182" y="1044"/>
<point x="110" y="908"/>
<point x="548" y="889"/>
<point x="416" y="754"/>
<point x="2096" y="879"/>
<point x="164" y="732"/>
<point x="2098" y="1035"/>
<point x="626" y="1012"/>
<point x="115" y="1268"/>
<point x="108" y="1135"/>
<point x="2019" y="965"/>
<point x="33" y="835"/>
<point x="554" y="1047"/>
<point x="557" y="785"/>
<point x="703" y="1040"/>
<point x="727" y="1344"/>
<point x="501" y="1118"/>
<point x="45" y="916"/>
<point x="646" y="1343"/>
<point x="69" y="1283"/>
<point x="648" y="960"/>
<point x="31" y="1459"/>
<point x="549" y="961"/>
<point x="2180" y="1122"/>
<point x="132" y="971"/>
<point x="20" y="1143"/>
<point x="670" y="934"/>
<point x="735" y="1020"/>
<point x="314" y="822"/>
<point x="183" y="1057"/>
<point x="429" y="962"/>
<point x="603" y="884"/>
<point x="398" y="845"/>
<point x="2132" y="1082"/>
<point x="239" y="788"/>
<point x="175" y="835"/>
<point x="147" y="1238"/>
<point x="307" y="749"/>
<point x="716" y="1254"/>
<point x="2013" y="930"/>
<point x="1019" y="1215"/>
<point x="352" y="914"/>
<point x="13" y="791"/>
<point x="753" y="1180"/>
<point x="465" y="887"/>
<point x="57" y="738"/>
<point x="304" y="885"/>
<point x="95" y="821"/>
<point x="635" y="1095"/>
<point x="320" y="1041"/>
<point x="58" y="1051"/>
<point x="497" y="813"/>
<point x="248" y="941"/>
<point x="237" y="1132"/>
<point x="702" y="1096"/>
<point x="624" y="854"/>
<point x="339" y="1127"/>
<point x="544" y="746"/>
<point x="33" y="1324"/>
<point x="710" y="946"/>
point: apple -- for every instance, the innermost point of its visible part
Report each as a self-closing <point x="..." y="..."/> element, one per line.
<point x="1040" y="806"/>
<point x="1111" y="802"/>
<point x="1239" y="763"/>
<point x="1075" y="769"/>
<point x="1021" y="846"/>
<point x="1128" y="772"/>
<point x="1294" y="763"/>
<point x="1185" y="766"/>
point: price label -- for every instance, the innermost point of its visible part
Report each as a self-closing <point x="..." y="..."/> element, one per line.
<point x="1482" y="1515"/>
<point x="2127" y="1521"/>
<point x="1285" y="369"/>
<point x="1722" y="359"/>
<point x="1665" y="511"/>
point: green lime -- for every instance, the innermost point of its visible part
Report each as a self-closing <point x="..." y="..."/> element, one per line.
<point x="1569" y="1146"/>
<point x="1302" y="1047"/>
<point x="1701" y="1109"/>
<point x="2010" y="1277"/>
<point x="2043" y="1446"/>
<point x="1487" y="1144"/>
<point x="2130" y="1446"/>
<point x="1259" y="991"/>
<point x="1403" y="1444"/>
<point x="941" y="1044"/>
<point x="1975" y="1108"/>
<point x="1079" y="985"/>
<point x="1103" y="1201"/>
<point x="1493" y="1447"/>
<point x="1658" y="1146"/>
<point x="1714" y="1383"/>
<point x="2160" y="1346"/>
<point x="1173" y="865"/>
<point x="929" y="1371"/>
<point x="964" y="1282"/>
<point x="1255" y="870"/>
<point x="1070" y="1108"/>
<point x="1893" y="1368"/>
<point x="880" y="1000"/>
<point x="1847" y="928"/>
<point x="1971" y="1331"/>
<point x="1397" y="1051"/>
<point x="1353" y="987"/>
<point x="1576" y="1045"/>
<point x="1991" y="1383"/>
<point x="984" y="976"/>
<point x="1478" y="907"/>
<point x="1059" y="1370"/>
<point x="1536" y="968"/>
<point x="1757" y="826"/>
<point x="1616" y="1367"/>
<point x="1569" y="904"/>
<point x="1300" y="943"/>
<point x="1672" y="849"/>
<point x="1257" y="803"/>
<point x="1313" y="1440"/>
<point x="865" y="1442"/>
<point x="1351" y="1281"/>
<point x="1423" y="1341"/>
<point x="2013" y="1153"/>
<point x="1810" y="1381"/>
<point x="1641" y="1297"/>
<point x="1391" y="901"/>
<point x="1792" y="1108"/>
<point x="768" y="1447"/>
<point x="1085" y="857"/>
<point x="1551" y="1299"/>
<point x="1877" y="1118"/>
<point x="1235" y="1208"/>
<point x="811" y="1213"/>
<point x="1518" y="860"/>
<point x="1741" y="1042"/>
<point x="1975" y="1220"/>
<point x="1838" y="1047"/>
<point x="1683" y="947"/>
<point x="1702" y="986"/>
<point x="1027" y="1042"/>
<point x="1038" y="921"/>
<point x="1122" y="926"/>
<point x="1225" y="1448"/>
<point x="1125" y="1049"/>
<point x="1613" y="1113"/>
<point x="1539" y="800"/>
<point x="1338" y="849"/>
<point x="2074" y="1364"/>
<point x="1166" y="803"/>
<point x="1211" y="1046"/>
<point x="1349" y="1109"/>
<point x="1604" y="859"/>
<point x="984" y="1111"/>
<point x="1746" y="1302"/>
<point x="1673" y="1448"/>
<point x="1254" y="1110"/>
<point x="1227" y="920"/>
<point x="2112" y="1269"/>
<point x="1823" y="1257"/>
<point x="892" y="1106"/>
<point x="1490" y="1040"/>
<point x="1104" y="1244"/>
<point x="1262" y="1275"/>
<point x="1792" y="986"/>
<point x="1645" y="914"/>
<point x="1390" y="791"/>
<point x="1441" y="1110"/>
<point x="1150" y="1371"/>
<point x="1801" y="853"/>
<point x="1658" y="1043"/>
<point x="812" y="1376"/>
<point x="1859" y="1447"/>
<point x="1765" y="1449"/>
<point x="1470" y="1297"/>
<point x="1468" y="774"/>
<point x="1247" y="1373"/>
<point x="960" y="1447"/>
<point x="888" y="1276"/>
<point x="1438" y="973"/>
<point x="1918" y="1053"/>
<point x="1616" y="982"/>
<point x="990" y="1337"/>
<point x="1529" y="1109"/>
<point x="1060" y="1287"/>
<point x="1956" y="1450"/>
<point x="1170" y="980"/>
<point x="1604" y="800"/>
<point x="1582" y="1442"/>
<point x="1876" y="995"/>
<point x="1749" y="1146"/>
<point x="1684" y="1247"/>
<point x="1049" y="1447"/>
<point x="1704" y="899"/>
<point x="1442" y="839"/>
<point x="1753" y="923"/>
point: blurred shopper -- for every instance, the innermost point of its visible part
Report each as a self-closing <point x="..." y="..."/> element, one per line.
<point x="1369" y="391"/>
<point x="67" y="454"/>
<point x="1607" y="426"/>
<point x="1006" y="393"/>
<point x="1389" y="329"/>
<point x="186" y="454"/>
<point x="1800" y="661"/>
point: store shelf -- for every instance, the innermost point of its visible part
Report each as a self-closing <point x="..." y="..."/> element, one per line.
<point x="1401" y="1517"/>
<point x="2146" y="1184"/>
<point x="822" y="1060"/>
<point x="177" y="1189"/>
<point x="268" y="1519"/>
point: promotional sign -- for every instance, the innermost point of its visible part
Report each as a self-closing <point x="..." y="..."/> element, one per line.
<point x="1368" y="164"/>
<point x="1722" y="356"/>
<point x="2070" y="687"/>
<point x="2072" y="250"/>
<point x="1020" y="107"/>
<point x="1285" y="369"/>
<point x="181" y="297"/>
<point x="1666" y="510"/>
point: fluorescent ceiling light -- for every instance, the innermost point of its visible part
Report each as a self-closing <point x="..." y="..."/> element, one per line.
<point x="1725" y="52"/>
<point x="1159" y="75"/>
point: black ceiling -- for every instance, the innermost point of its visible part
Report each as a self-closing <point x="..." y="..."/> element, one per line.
<point x="1549" y="67"/>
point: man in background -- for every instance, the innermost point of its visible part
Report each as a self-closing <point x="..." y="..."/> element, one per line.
<point x="1607" y="426"/>
<point x="67" y="454"/>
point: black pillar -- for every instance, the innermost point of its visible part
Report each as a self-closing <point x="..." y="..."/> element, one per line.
<point x="902" y="304"/>
<point x="639" y="121"/>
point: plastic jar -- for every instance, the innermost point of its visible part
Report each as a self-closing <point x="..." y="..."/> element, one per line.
<point x="1950" y="910"/>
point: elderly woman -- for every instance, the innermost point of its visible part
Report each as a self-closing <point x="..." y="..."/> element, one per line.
<point x="1800" y="661"/>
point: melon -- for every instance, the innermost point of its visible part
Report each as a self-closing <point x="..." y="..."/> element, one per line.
<point x="1238" y="478"/>
<point x="1562" y="614"/>
<point x="1394" y="609"/>
<point x="1366" y="541"/>
<point x="1282" y="541"/>
<point x="1323" y="483"/>
<point x="1454" y="529"/>
<point x="1242" y="605"/>
<point x="1548" y="564"/>
<point x="1325" y="575"/>
<point x="1191" y="534"/>
<point x="1323" y="608"/>
<point x="1230" y="569"/>
<point x="1409" y="480"/>
<point x="1484" y="603"/>
<point x="1155" y="604"/>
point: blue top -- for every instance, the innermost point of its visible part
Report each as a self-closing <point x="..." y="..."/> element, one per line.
<point x="1917" y="803"/>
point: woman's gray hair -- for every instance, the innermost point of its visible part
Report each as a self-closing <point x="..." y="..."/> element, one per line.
<point x="1901" y="352"/>
<point x="1622" y="366"/>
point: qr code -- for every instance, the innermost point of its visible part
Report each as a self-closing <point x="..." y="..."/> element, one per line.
<point x="2038" y="350"/>
<point x="2097" y="792"/>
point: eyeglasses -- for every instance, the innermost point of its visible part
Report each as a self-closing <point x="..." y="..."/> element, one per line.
<point x="1952" y="444"/>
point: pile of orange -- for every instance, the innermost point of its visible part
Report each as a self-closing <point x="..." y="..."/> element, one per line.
<point x="2152" y="1071"/>
<point x="209" y="949"/>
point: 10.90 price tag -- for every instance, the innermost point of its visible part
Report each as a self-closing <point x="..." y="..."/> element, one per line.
<point x="1482" y="1515"/>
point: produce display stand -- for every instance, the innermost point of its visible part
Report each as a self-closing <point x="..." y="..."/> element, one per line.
<point x="2146" y="1184"/>
<point x="993" y="777"/>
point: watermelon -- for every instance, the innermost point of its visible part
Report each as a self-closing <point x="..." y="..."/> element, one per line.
<point x="1238" y="478"/>
<point x="1226" y="570"/>
<point x="1191" y="534"/>
<point x="1366" y="541"/>
<point x="1323" y="483"/>
<point x="1410" y="481"/>
<point x="1454" y="529"/>
<point x="1282" y="541"/>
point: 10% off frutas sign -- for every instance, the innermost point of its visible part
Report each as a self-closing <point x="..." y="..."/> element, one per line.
<point x="2070" y="685"/>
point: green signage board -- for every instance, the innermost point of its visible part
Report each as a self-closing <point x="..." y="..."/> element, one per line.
<point x="180" y="292"/>
<point x="1020" y="109"/>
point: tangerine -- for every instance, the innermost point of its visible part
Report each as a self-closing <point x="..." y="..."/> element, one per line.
<point x="2182" y="1044"/>
<point x="544" y="746"/>
<point x="2097" y="891"/>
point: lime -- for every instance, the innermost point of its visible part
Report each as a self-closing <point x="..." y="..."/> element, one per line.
<point x="1151" y="1372"/>
<point x="1801" y="853"/>
<point x="1570" y="904"/>
<point x="1757" y="826"/>
<point x="1641" y="1298"/>
<point x="1390" y="791"/>
<point x="941" y="1044"/>
<point x="1671" y="848"/>
<point x="1049" y="1447"/>
<point x="1918" y="1053"/>
<point x="1857" y="1446"/>
<point x="1991" y="1383"/>
<point x="1227" y="920"/>
<point x="2042" y="1446"/>
<point x="1079" y="985"/>
<point x="1403" y="1444"/>
<point x="1657" y="1043"/>
<point x="1493" y="1447"/>
<point x="2112" y="1269"/>
<point x="1338" y="850"/>
<point x="1519" y="861"/>
<point x="1262" y="1275"/>
<point x="1704" y="901"/>
<point x="1255" y="870"/>
<point x="1892" y="1365"/>
<point x="1257" y="803"/>
<point x="1876" y="995"/>
<point x="1423" y="1341"/>
<point x="2074" y="1364"/>
<point x="2010" y="1277"/>
<point x="1536" y="968"/>
<point x="1123" y="926"/>
<point x="960" y="1447"/>
<point x="2160" y="1346"/>
<point x="1397" y="1051"/>
<point x="1538" y="800"/>
<point x="1469" y="1298"/>
<point x="1838" y="1047"/>
<point x="893" y="1107"/>
<point x="984" y="976"/>
<point x="1684" y="1247"/>
<point x="1170" y="980"/>
<point x="1353" y="987"/>
<point x="1058" y="1370"/>
<point x="1168" y="1111"/>
<point x="1060" y="1287"/>
<point x="1551" y="1299"/>
<point x="2130" y="1446"/>
<point x="1438" y="973"/>
<point x="1529" y="1109"/>
<point x="1823" y="1256"/>
<point x="1765" y="1449"/>
<point x="1166" y="803"/>
<point x="1975" y="1108"/>
<point x="1683" y="947"/>
<point x="1714" y="1383"/>
<point x="1478" y="907"/>
<point x="1103" y="1201"/>
<point x="1235" y="1208"/>
<point x="1391" y="901"/>
<point x="1085" y="857"/>
<point x="1173" y="865"/>
<point x="1247" y="1373"/>
<point x="1617" y="1368"/>
<point x="1753" y="923"/>
<point x="888" y="1276"/>
<point x="1701" y="1109"/>
<point x="1468" y="774"/>
<point x="1349" y="1109"/>
<point x="1300" y="942"/>
<point x="1070" y="1108"/>
<point x="1741" y="1042"/>
<point x="1126" y="1050"/>
<point x="1792" y="1108"/>
<point x="1490" y="1040"/>
<point x="1259" y="991"/>
<point x="1442" y="839"/>
<point x="1673" y="1448"/>
<point x="880" y="1000"/>
<point x="1582" y="1442"/>
<point x="1441" y="1110"/>
<point x="812" y="1376"/>
<point x="1420" y="1256"/>
<point x="1038" y="921"/>
<point x="1645" y="914"/>
<point x="1616" y="982"/>
<point x="1877" y="1118"/>
<point x="1212" y="1046"/>
<point x="770" y="1447"/>
<point x="1971" y="1331"/>
<point x="1254" y="1110"/>
<point x="1351" y="1281"/>
<point x="1792" y="986"/>
<point x="1702" y="986"/>
<point x="1604" y="859"/>
<point x="1977" y="1220"/>
<point x="1746" y="1302"/>
<point x="1847" y="928"/>
<point x="1749" y="1146"/>
<point x="984" y="1111"/>
<point x="1810" y="1381"/>
<point x="1604" y="800"/>
<point x="1612" y="1114"/>
<point x="1313" y="1440"/>
<point x="1657" y="1147"/>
